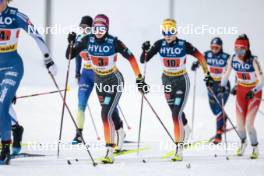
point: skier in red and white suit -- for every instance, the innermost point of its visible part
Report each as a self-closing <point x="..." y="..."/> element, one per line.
<point x="250" y="81"/>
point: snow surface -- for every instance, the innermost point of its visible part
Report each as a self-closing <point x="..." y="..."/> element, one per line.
<point x="134" y="22"/>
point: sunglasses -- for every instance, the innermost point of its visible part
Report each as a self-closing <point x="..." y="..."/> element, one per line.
<point x="215" y="47"/>
<point x="240" y="51"/>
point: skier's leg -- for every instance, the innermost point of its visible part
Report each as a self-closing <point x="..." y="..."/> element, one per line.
<point x="253" y="108"/>
<point x="217" y="110"/>
<point x="109" y="101"/>
<point x="10" y="82"/>
<point x="17" y="131"/>
<point x="241" y="111"/>
<point x="176" y="98"/>
<point x="86" y="85"/>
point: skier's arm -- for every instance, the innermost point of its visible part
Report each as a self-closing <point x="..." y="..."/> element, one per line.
<point x="260" y="76"/>
<point x="24" y="22"/>
<point x="198" y="55"/>
<point x="126" y="53"/>
<point x="147" y="55"/>
<point x="77" y="48"/>
<point x="227" y="73"/>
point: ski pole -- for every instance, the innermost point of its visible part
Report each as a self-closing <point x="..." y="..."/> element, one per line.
<point x="64" y="97"/>
<point x="224" y="117"/>
<point x="128" y="126"/>
<point x="219" y="104"/>
<point x="72" y="118"/>
<point x="193" y="105"/>
<point x="142" y="104"/>
<point x="95" y="129"/>
<point x="43" y="93"/>
<point x="156" y="114"/>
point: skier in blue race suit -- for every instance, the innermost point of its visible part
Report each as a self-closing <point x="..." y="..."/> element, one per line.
<point x="85" y="78"/>
<point x="11" y="66"/>
<point x="217" y="59"/>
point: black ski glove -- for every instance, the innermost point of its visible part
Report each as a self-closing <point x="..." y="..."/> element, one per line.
<point x="195" y="65"/>
<point x="72" y="37"/>
<point x="143" y="87"/>
<point x="234" y="90"/>
<point x="250" y="95"/>
<point x="146" y="46"/>
<point x="208" y="80"/>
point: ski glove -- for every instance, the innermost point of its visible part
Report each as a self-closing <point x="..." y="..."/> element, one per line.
<point x="50" y="65"/>
<point x="195" y="65"/>
<point x="208" y="80"/>
<point x="234" y="90"/>
<point x="143" y="87"/>
<point x="146" y="45"/>
<point x="250" y="95"/>
<point x="72" y="37"/>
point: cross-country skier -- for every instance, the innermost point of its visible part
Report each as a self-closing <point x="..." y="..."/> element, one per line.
<point x="85" y="78"/>
<point x="173" y="51"/>
<point x="102" y="49"/>
<point x="11" y="66"/>
<point x="250" y="81"/>
<point x="216" y="60"/>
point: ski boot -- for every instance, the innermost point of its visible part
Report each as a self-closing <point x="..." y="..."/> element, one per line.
<point x="178" y="153"/>
<point x="121" y="135"/>
<point x="5" y="153"/>
<point x="17" y="138"/>
<point x="241" y="150"/>
<point x="217" y="139"/>
<point x="109" y="157"/>
<point x="255" y="152"/>
<point x="78" y="137"/>
<point x="187" y="132"/>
